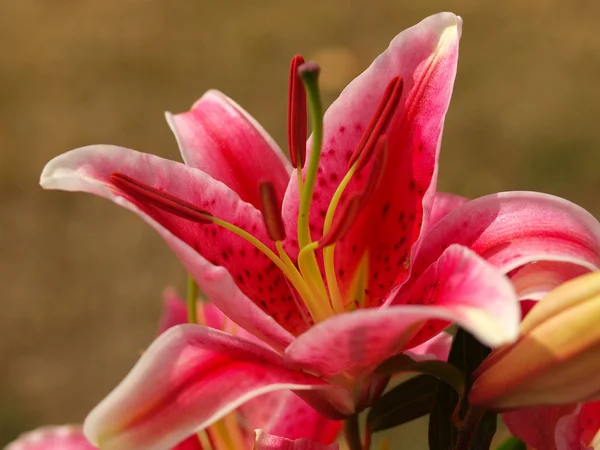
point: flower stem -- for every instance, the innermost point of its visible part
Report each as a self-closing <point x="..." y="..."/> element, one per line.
<point x="468" y="427"/>
<point x="352" y="433"/>
<point x="192" y="295"/>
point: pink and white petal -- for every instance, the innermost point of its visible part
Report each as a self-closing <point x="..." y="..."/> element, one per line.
<point x="534" y="281"/>
<point x="175" y="313"/>
<point x="460" y="287"/>
<point x="233" y="274"/>
<point x="64" y="437"/>
<point x="438" y="347"/>
<point x="218" y="137"/>
<point x="444" y="203"/>
<point x="425" y="56"/>
<point x="285" y="414"/>
<point x="265" y="441"/>
<point x="511" y="229"/>
<point x="537" y="427"/>
<point x="190" y="377"/>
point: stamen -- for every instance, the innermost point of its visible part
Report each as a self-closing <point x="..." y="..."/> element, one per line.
<point x="377" y="169"/>
<point x="342" y="225"/>
<point x="179" y="207"/>
<point x="163" y="200"/>
<point x="271" y="211"/>
<point x="337" y="231"/>
<point x="378" y="124"/>
<point x="296" y="125"/>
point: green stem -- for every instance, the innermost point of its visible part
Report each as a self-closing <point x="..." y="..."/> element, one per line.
<point x="352" y="433"/>
<point x="192" y="296"/>
<point x="468" y="427"/>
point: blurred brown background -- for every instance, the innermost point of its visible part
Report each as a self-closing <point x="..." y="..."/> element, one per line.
<point x="82" y="279"/>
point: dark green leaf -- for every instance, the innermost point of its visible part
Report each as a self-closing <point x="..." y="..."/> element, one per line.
<point x="512" y="443"/>
<point x="440" y="369"/>
<point x="466" y="354"/>
<point x="485" y="433"/>
<point x="408" y="401"/>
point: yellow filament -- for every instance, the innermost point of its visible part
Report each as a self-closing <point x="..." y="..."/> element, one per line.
<point x="360" y="280"/>
<point x="329" y="252"/>
<point x="205" y="440"/>
<point x="219" y="433"/>
<point x="302" y="284"/>
<point x="384" y="445"/>
<point x="311" y="274"/>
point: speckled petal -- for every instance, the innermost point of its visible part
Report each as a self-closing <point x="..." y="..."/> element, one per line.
<point x="233" y="274"/>
<point x="425" y="56"/>
<point x="218" y="137"/>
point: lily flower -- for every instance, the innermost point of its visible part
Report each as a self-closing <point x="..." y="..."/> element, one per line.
<point x="554" y="364"/>
<point x="354" y="266"/>
<point x="557" y="357"/>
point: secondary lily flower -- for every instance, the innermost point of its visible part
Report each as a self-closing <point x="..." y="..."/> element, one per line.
<point x="555" y="362"/>
<point x="281" y="419"/>
<point x="362" y="260"/>
<point x="557" y="357"/>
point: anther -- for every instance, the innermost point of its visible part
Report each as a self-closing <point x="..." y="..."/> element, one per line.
<point x="296" y="125"/>
<point x="341" y="226"/>
<point x="378" y="124"/>
<point x="377" y="169"/>
<point x="271" y="211"/>
<point x="162" y="200"/>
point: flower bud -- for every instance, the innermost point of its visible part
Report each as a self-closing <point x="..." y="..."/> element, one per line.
<point x="556" y="359"/>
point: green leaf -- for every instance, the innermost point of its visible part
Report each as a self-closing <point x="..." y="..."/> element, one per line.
<point x="512" y="443"/>
<point x="439" y="369"/>
<point x="466" y="354"/>
<point x="408" y="401"/>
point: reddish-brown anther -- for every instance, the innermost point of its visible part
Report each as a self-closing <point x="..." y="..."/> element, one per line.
<point x="271" y="211"/>
<point x="341" y="226"/>
<point x="378" y="124"/>
<point x="151" y="196"/>
<point x="376" y="174"/>
<point x="296" y="125"/>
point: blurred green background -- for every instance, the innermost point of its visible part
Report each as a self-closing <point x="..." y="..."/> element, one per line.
<point x="82" y="279"/>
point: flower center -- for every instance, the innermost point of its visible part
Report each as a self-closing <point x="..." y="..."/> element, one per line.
<point x="319" y="292"/>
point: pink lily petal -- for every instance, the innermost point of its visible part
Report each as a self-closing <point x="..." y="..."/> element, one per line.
<point x="444" y="203"/>
<point x="537" y="427"/>
<point x="232" y="273"/>
<point x="218" y="137"/>
<point x="425" y="56"/>
<point x="460" y="287"/>
<point x="283" y="413"/>
<point x="537" y="279"/>
<point x="266" y="441"/>
<point x="590" y="422"/>
<point x="511" y="229"/>
<point x="65" y="437"/>
<point x="188" y="378"/>
<point x="175" y="313"/>
<point x="438" y="347"/>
